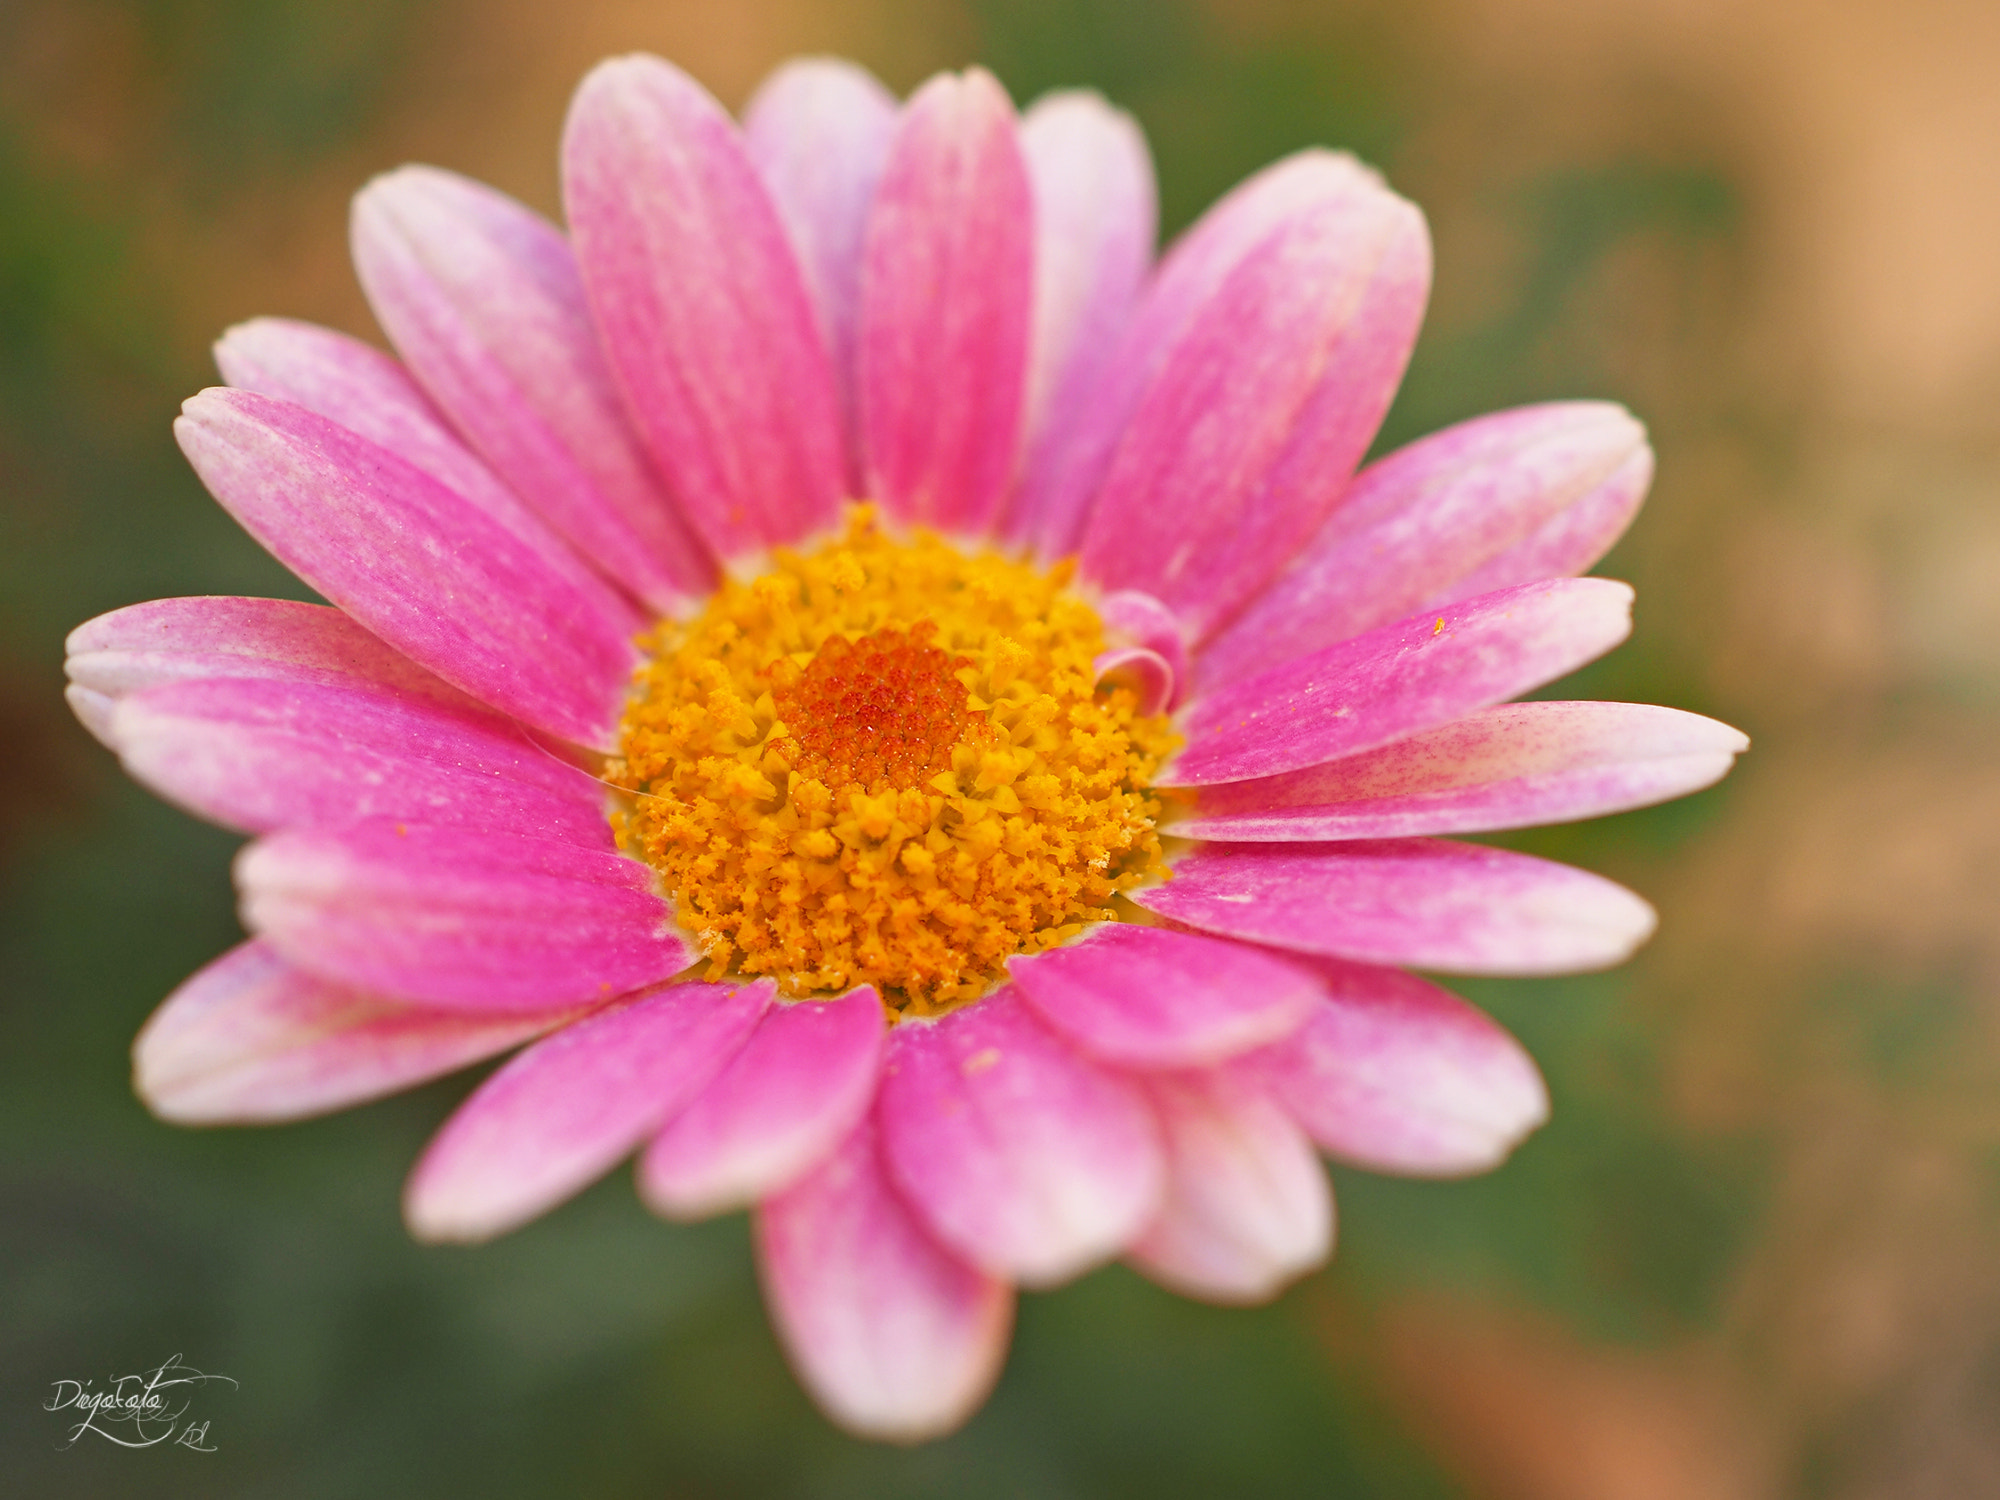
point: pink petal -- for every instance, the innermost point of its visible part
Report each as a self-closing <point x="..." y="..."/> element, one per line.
<point x="1024" y="1157"/>
<point x="795" y="1091"/>
<point x="702" y="306"/>
<point x="1505" y="499"/>
<point x="946" y="302"/>
<point x="459" y="917"/>
<point x="1571" y="542"/>
<point x="418" y="565"/>
<point x="558" y="1116"/>
<point x="93" y="710"/>
<point x="174" y="640"/>
<point x="1394" y="1074"/>
<point x="818" y="130"/>
<point x="1145" y="672"/>
<point x="1514" y="766"/>
<point x="1254" y="377"/>
<point x="1394" y="681"/>
<point x="258" y="754"/>
<point x="894" y="1335"/>
<point x="1247" y="1206"/>
<point x="1194" y="267"/>
<point x="1133" y="619"/>
<point x="1145" y="997"/>
<point x="252" y="1039"/>
<point x="481" y="296"/>
<point x="1463" y="908"/>
<point x="1095" y="219"/>
<point x="368" y="393"/>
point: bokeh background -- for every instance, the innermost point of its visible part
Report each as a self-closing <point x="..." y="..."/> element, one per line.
<point x="1756" y="1254"/>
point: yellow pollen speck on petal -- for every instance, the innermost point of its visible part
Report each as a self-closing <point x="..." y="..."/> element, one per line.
<point x="1440" y="626"/>
<point x="888" y="761"/>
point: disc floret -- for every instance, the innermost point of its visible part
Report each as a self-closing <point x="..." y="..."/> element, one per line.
<point x="888" y="761"/>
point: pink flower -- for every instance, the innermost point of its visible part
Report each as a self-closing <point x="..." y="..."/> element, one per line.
<point x="954" y="314"/>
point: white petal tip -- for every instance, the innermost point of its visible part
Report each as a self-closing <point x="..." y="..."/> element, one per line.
<point x="431" y="1221"/>
<point x="93" y="710"/>
<point x="907" y="1415"/>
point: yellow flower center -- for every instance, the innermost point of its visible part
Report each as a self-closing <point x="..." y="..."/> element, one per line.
<point x="887" y="761"/>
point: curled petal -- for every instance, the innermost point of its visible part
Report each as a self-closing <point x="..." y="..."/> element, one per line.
<point x="895" y="1336"/>
<point x="252" y="1039"/>
<point x="1146" y="673"/>
<point x="1134" y="619"/>
<point x="1515" y="766"/>
<point x="481" y="296"/>
<point x="555" y="1118"/>
<point x="1396" y="1075"/>
<point x="1402" y="678"/>
<point x="731" y="388"/>
<point x="1462" y="908"/>
<point x="947" y="293"/>
<point x="1247" y="1206"/>
<point x="795" y="1091"/>
<point x="1505" y="499"/>
<point x="1024" y="1157"/>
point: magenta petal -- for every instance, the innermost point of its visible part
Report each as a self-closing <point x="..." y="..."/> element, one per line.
<point x="556" y="1117"/>
<point x="894" y="1335"/>
<point x="946" y="300"/>
<point x="1095" y="219"/>
<point x="258" y="754"/>
<point x="818" y="129"/>
<point x="1247" y="1206"/>
<point x="1399" y="679"/>
<point x="369" y="394"/>
<point x="177" y="640"/>
<point x="1145" y="672"/>
<point x="1505" y="499"/>
<point x="702" y="306"/>
<point x="481" y="296"/>
<point x="1573" y="540"/>
<point x="795" y="1091"/>
<point x="252" y="1039"/>
<point x="1463" y="908"/>
<point x="1394" y="1074"/>
<point x="1138" y="619"/>
<point x="1145" y="997"/>
<point x="1254" y="377"/>
<point x="1135" y="620"/>
<point x="1514" y="766"/>
<point x="417" y="564"/>
<point x="459" y="917"/>
<point x="1026" y="1158"/>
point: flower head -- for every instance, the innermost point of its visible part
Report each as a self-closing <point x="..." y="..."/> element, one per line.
<point x="904" y="706"/>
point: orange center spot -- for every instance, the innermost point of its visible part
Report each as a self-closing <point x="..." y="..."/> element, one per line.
<point x="884" y="710"/>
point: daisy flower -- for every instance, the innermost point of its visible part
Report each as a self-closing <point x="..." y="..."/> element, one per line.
<point x="903" y="709"/>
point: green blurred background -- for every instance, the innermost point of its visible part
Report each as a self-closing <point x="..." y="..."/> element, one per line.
<point x="1753" y="1256"/>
